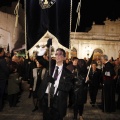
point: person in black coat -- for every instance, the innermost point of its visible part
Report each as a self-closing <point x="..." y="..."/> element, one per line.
<point x="108" y="96"/>
<point x="4" y="73"/>
<point x="73" y="67"/>
<point x="118" y="89"/>
<point x="94" y="82"/>
<point x="62" y="85"/>
<point x="79" y="70"/>
<point x="13" y="84"/>
<point x="29" y="65"/>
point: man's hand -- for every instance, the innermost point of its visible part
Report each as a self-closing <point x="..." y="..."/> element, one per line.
<point x="87" y="79"/>
<point x="41" y="51"/>
<point x="30" y="88"/>
<point x="50" y="79"/>
<point x="49" y="42"/>
<point x="115" y="77"/>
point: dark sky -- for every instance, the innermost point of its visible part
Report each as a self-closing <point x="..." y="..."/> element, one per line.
<point x="97" y="11"/>
<point x="91" y="10"/>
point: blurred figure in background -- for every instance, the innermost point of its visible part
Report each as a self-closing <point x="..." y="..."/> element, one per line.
<point x="4" y="73"/>
<point x="79" y="90"/>
<point x="13" y="84"/>
<point x="108" y="97"/>
<point x="36" y="78"/>
<point x="94" y="82"/>
<point x="118" y="89"/>
<point x="73" y="67"/>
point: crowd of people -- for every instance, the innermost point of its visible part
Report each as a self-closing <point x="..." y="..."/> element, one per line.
<point x="59" y="83"/>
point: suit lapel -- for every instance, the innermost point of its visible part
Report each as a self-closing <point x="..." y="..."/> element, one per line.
<point x="52" y="70"/>
<point x="62" y="78"/>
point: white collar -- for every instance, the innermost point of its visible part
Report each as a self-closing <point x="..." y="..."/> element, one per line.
<point x="60" y="67"/>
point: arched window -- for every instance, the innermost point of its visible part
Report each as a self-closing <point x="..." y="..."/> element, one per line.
<point x="98" y="50"/>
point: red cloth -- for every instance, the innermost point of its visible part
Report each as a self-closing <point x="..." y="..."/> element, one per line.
<point x="108" y="77"/>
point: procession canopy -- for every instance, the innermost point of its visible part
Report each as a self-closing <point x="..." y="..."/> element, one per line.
<point x="42" y="42"/>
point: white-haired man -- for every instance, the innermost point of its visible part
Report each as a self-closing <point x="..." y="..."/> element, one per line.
<point x="108" y="85"/>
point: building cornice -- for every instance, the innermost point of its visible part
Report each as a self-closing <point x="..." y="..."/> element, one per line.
<point x="108" y="32"/>
<point x="95" y="36"/>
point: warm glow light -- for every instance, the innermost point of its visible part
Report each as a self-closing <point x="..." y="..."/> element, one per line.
<point x="46" y="4"/>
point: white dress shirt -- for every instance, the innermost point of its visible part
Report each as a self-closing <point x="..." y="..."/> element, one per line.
<point x="56" y="81"/>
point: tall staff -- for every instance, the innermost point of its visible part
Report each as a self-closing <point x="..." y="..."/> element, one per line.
<point x="49" y="74"/>
<point x="49" y="45"/>
<point x="25" y="27"/>
<point x="89" y="64"/>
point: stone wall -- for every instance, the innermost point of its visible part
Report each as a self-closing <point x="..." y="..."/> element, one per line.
<point x="105" y="37"/>
<point x="86" y="47"/>
<point x="8" y="33"/>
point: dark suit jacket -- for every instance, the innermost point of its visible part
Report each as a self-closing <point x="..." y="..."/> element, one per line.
<point x="65" y="84"/>
<point x="108" y="68"/>
<point x="4" y="70"/>
<point x="80" y="87"/>
<point x="95" y="77"/>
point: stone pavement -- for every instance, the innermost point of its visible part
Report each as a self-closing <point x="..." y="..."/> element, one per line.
<point x="24" y="111"/>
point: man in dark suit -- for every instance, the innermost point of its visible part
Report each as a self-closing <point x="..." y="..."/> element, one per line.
<point x="108" y="85"/>
<point x="62" y="84"/>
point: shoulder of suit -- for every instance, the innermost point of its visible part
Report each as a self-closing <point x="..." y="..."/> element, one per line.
<point x="109" y="64"/>
<point x="67" y="70"/>
<point x="70" y="67"/>
<point x="53" y="62"/>
<point x="97" y="69"/>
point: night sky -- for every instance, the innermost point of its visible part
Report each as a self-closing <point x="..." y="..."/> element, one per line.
<point x="95" y="11"/>
<point x="91" y="11"/>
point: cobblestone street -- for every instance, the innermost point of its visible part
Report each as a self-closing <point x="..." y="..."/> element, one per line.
<point x="25" y="106"/>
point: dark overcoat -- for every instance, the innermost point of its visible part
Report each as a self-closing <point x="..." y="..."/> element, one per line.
<point x="79" y="85"/>
<point x="108" y="88"/>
